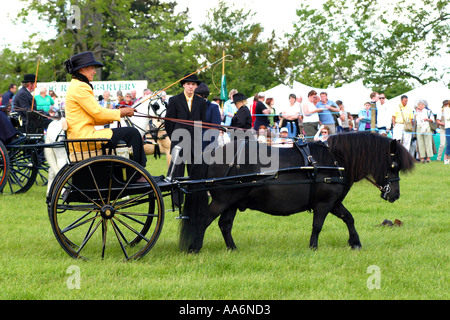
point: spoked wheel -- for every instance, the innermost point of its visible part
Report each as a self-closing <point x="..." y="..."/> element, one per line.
<point x="97" y="207"/>
<point x="42" y="166"/>
<point x="22" y="170"/>
<point x="4" y="166"/>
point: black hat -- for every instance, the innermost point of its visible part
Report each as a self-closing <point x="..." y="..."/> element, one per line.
<point x="239" y="97"/>
<point x="81" y="60"/>
<point x="190" y="78"/>
<point x="445" y="102"/>
<point x="202" y="90"/>
<point x="29" y="78"/>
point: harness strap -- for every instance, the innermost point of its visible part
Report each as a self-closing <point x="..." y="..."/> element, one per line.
<point x="308" y="159"/>
<point x="271" y="180"/>
<point x="237" y="155"/>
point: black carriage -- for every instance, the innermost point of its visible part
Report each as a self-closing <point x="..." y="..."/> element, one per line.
<point x="96" y="203"/>
<point x="22" y="160"/>
<point x="104" y="202"/>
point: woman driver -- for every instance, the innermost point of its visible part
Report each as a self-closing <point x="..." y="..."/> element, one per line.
<point x="83" y="111"/>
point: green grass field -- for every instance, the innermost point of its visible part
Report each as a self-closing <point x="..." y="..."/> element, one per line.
<point x="273" y="261"/>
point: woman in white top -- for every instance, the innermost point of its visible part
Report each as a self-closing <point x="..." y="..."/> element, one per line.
<point x="344" y="118"/>
<point x="290" y="115"/>
<point x="310" y="116"/>
<point x="424" y="117"/>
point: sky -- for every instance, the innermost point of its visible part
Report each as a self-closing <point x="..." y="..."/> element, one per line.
<point x="273" y="17"/>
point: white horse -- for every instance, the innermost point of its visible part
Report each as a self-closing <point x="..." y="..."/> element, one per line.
<point x="155" y="135"/>
<point x="57" y="157"/>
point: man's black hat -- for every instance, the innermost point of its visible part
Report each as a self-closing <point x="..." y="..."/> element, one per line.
<point x="191" y="78"/>
<point x="29" y="78"/>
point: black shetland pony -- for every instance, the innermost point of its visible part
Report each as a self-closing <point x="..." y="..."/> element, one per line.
<point x="361" y="154"/>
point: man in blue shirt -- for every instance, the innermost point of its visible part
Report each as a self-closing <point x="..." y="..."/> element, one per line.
<point x="8" y="95"/>
<point x="326" y="116"/>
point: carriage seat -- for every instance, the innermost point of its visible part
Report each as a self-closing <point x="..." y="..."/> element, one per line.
<point x="82" y="149"/>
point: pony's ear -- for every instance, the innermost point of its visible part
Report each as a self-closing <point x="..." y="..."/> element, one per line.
<point x="393" y="146"/>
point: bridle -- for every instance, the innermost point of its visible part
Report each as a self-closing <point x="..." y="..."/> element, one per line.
<point x="386" y="189"/>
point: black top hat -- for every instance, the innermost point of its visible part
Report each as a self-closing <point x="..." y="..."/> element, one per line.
<point x="81" y="60"/>
<point x="239" y="97"/>
<point x="29" y="78"/>
<point x="191" y="78"/>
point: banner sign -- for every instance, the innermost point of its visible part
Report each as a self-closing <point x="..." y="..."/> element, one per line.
<point x="125" y="86"/>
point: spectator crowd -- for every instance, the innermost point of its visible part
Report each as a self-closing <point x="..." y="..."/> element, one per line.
<point x="277" y="123"/>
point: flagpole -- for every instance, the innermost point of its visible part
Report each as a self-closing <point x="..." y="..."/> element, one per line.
<point x="35" y="81"/>
<point x="223" y="72"/>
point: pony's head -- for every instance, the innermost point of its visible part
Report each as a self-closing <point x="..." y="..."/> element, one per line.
<point x="400" y="160"/>
<point x="365" y="154"/>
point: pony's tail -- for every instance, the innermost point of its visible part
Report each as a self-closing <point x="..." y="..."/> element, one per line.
<point x="193" y="226"/>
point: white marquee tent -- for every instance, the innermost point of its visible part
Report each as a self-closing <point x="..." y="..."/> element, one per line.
<point x="353" y="95"/>
<point x="434" y="93"/>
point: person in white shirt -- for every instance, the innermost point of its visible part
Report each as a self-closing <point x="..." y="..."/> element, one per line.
<point x="290" y="115"/>
<point x="310" y="116"/>
<point x="424" y="117"/>
<point x="384" y="116"/>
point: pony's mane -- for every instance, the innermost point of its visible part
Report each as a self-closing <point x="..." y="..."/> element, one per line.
<point x="365" y="153"/>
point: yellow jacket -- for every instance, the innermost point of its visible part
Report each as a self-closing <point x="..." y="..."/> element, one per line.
<point x="83" y="113"/>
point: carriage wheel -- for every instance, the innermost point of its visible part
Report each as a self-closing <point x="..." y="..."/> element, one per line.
<point x="22" y="170"/>
<point x="97" y="207"/>
<point x="4" y="166"/>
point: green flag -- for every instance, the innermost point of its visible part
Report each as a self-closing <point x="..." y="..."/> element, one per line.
<point x="223" y="89"/>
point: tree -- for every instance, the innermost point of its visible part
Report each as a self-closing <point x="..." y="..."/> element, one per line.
<point x="392" y="46"/>
<point x="255" y="64"/>
<point x="140" y="39"/>
<point x="156" y="49"/>
<point x="13" y="67"/>
<point x="320" y="53"/>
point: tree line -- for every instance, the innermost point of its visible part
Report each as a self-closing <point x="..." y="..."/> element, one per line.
<point x="391" y="47"/>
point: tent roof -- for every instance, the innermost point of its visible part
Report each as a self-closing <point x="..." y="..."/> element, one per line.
<point x="353" y="95"/>
<point x="433" y="92"/>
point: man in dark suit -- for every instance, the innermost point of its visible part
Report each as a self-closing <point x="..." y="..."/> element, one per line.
<point x="185" y="106"/>
<point x="24" y="97"/>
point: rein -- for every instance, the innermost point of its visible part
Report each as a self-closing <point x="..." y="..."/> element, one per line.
<point x="374" y="183"/>
<point x="386" y="189"/>
<point x="193" y="123"/>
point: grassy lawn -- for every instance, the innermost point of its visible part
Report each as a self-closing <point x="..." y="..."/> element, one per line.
<point x="273" y="260"/>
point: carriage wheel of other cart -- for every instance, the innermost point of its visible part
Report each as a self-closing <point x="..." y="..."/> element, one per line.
<point x="22" y="169"/>
<point x="4" y="166"/>
<point x="96" y="207"/>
